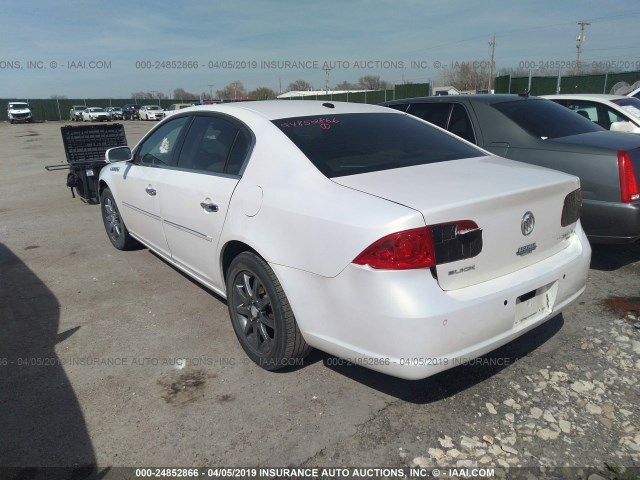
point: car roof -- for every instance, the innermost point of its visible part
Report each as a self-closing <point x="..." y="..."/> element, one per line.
<point x="584" y="96"/>
<point x="275" y="109"/>
<point x="476" y="98"/>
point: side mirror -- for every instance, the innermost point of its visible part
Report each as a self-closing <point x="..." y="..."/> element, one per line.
<point x="117" y="154"/>
<point x="623" y="127"/>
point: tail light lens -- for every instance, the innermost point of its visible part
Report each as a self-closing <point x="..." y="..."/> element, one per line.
<point x="424" y="247"/>
<point x="572" y="208"/>
<point x="628" y="180"/>
<point x="400" y="251"/>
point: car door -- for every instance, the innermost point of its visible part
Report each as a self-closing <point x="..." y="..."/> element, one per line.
<point x="198" y="191"/>
<point x="139" y="193"/>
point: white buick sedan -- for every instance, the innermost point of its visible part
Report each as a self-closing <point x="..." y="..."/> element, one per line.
<point x="355" y="229"/>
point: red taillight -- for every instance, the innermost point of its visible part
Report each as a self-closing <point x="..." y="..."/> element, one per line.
<point x="400" y="251"/>
<point x="572" y="208"/>
<point x="628" y="180"/>
<point x="424" y="247"/>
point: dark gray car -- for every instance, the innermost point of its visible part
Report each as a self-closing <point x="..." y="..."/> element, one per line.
<point x="538" y="131"/>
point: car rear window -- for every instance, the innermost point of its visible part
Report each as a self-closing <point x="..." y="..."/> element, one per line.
<point x="545" y="119"/>
<point x="348" y="144"/>
<point x="630" y="104"/>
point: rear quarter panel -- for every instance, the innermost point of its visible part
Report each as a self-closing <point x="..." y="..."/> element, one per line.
<point x="305" y="220"/>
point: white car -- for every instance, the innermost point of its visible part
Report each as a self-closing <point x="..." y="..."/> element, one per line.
<point x="151" y="112"/>
<point x="355" y="229"/>
<point x="19" y="112"/>
<point x="617" y="113"/>
<point x="175" y="107"/>
<point x="95" y="114"/>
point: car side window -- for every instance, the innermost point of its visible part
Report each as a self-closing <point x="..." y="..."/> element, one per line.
<point x="238" y="153"/>
<point x="158" y="149"/>
<point x="207" y="144"/>
<point x="460" y="123"/>
<point x="615" y="117"/>
<point x="436" y="113"/>
<point x="586" y="109"/>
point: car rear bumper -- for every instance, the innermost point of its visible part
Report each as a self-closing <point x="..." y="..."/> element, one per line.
<point x="609" y="222"/>
<point x="403" y="324"/>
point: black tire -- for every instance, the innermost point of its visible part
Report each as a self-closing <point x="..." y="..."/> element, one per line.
<point x="261" y="315"/>
<point x="113" y="223"/>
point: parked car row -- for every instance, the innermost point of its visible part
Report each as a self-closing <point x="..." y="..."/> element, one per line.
<point x="131" y="111"/>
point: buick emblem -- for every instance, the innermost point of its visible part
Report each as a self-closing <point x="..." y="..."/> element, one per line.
<point x="528" y="224"/>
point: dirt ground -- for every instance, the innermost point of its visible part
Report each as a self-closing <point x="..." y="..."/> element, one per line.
<point x="112" y="358"/>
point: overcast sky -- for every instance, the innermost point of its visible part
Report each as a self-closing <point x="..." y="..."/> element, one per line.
<point x="100" y="49"/>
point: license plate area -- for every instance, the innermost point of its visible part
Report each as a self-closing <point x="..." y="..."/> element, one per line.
<point x="536" y="304"/>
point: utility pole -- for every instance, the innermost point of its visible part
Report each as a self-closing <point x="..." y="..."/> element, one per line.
<point x="492" y="44"/>
<point x="211" y="91"/>
<point x="580" y="39"/>
<point x="326" y="79"/>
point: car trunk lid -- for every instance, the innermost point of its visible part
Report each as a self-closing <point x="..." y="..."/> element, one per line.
<point x="499" y="195"/>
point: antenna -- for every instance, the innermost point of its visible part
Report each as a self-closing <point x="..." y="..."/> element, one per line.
<point x="580" y="39"/>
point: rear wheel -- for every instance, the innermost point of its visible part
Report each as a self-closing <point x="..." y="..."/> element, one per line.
<point x="113" y="223"/>
<point x="261" y="315"/>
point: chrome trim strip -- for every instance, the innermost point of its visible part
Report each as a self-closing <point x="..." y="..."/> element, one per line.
<point x="144" y="212"/>
<point x="202" y="236"/>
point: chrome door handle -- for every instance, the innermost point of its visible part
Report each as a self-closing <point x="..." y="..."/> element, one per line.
<point x="150" y="190"/>
<point x="209" y="207"/>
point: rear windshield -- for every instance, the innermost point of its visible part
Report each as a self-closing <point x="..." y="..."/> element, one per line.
<point x="349" y="144"/>
<point x="546" y="119"/>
